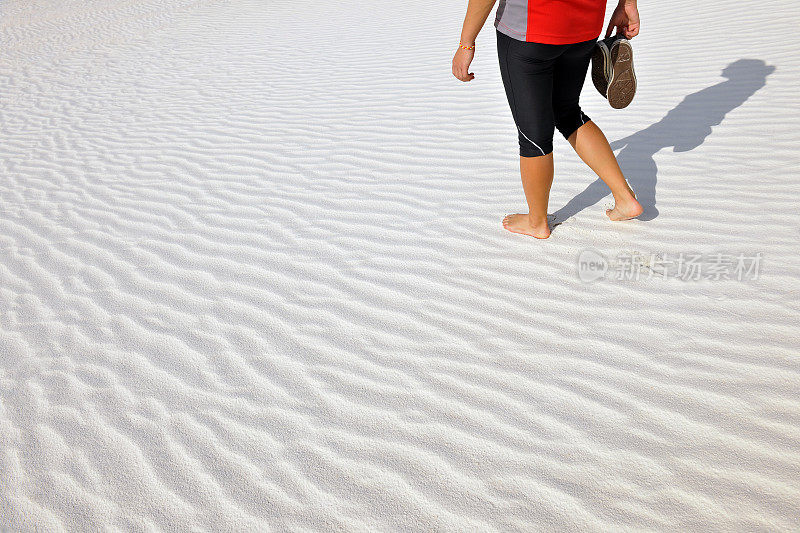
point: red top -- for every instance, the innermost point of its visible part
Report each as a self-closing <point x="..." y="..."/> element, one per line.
<point x="551" y="21"/>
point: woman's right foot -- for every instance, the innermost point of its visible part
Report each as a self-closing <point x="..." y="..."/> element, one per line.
<point x="625" y="210"/>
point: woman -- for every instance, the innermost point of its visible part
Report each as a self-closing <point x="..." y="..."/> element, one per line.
<point x="544" y="48"/>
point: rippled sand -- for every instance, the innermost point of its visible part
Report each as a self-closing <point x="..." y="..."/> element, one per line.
<point x="253" y="277"/>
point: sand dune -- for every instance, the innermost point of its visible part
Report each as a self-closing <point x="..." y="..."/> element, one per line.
<point x="253" y="277"/>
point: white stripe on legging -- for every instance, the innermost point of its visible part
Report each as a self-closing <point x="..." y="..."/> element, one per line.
<point x="530" y="141"/>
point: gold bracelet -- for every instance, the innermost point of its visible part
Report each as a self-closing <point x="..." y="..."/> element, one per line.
<point x="466" y="47"/>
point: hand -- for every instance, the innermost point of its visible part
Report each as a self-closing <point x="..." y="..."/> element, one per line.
<point x="461" y="62"/>
<point x="625" y="19"/>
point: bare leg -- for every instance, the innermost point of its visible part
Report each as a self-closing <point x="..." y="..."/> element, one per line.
<point x="537" y="177"/>
<point x="592" y="146"/>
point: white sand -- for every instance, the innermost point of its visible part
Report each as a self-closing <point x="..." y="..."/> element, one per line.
<point x="253" y="277"/>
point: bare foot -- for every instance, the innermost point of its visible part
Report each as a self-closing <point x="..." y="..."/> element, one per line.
<point x="521" y="223"/>
<point x="626" y="210"/>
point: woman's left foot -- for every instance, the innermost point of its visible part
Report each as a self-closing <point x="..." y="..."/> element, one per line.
<point x="521" y="223"/>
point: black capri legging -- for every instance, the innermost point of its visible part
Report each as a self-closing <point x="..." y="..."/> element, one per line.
<point x="543" y="83"/>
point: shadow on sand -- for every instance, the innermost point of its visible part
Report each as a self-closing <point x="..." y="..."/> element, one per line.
<point x="685" y="127"/>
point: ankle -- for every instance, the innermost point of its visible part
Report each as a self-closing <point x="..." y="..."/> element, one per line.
<point x="625" y="197"/>
<point x="537" y="220"/>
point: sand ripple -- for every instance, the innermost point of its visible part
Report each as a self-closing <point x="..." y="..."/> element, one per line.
<point x="253" y="278"/>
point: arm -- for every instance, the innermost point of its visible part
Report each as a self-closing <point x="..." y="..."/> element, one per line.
<point x="477" y="12"/>
<point x="625" y="19"/>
